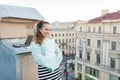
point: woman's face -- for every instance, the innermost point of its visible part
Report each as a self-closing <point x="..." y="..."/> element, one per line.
<point x="46" y="30"/>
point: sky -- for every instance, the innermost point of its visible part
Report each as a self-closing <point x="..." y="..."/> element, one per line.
<point x="67" y="10"/>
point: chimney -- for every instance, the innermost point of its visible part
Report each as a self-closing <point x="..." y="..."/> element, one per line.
<point x="103" y="12"/>
<point x="119" y="11"/>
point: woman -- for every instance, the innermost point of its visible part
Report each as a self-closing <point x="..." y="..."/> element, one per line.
<point x="46" y="53"/>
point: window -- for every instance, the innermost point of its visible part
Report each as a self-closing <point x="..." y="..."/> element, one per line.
<point x="69" y="40"/>
<point x="51" y="35"/>
<point x="89" y="29"/>
<point x="88" y="42"/>
<point x="94" y="29"/>
<point x="98" y="58"/>
<point x="55" y="35"/>
<point x="80" y="41"/>
<point x="55" y="40"/>
<point x="80" y="53"/>
<point x="66" y="40"/>
<point x="62" y="40"/>
<point x="73" y="40"/>
<point x="113" y="46"/>
<point x="114" y="29"/>
<point x="66" y="46"/>
<point x="79" y="67"/>
<point x="73" y="34"/>
<point x="94" y="72"/>
<point x="99" y="29"/>
<point x="59" y="34"/>
<point x="112" y="63"/>
<point x="97" y="73"/>
<point x="62" y="34"/>
<point x="112" y="77"/>
<point x="69" y="34"/>
<point x="98" y="43"/>
<point x="87" y="70"/>
<point x="80" y="29"/>
<point x="59" y="41"/>
<point x="59" y="46"/>
<point x="66" y="34"/>
<point x="88" y="56"/>
<point x="91" y="71"/>
<point x="70" y="46"/>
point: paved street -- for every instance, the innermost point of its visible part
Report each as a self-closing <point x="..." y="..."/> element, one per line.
<point x="70" y="71"/>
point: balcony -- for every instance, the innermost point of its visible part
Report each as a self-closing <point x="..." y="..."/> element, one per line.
<point x="118" y="70"/>
<point x="118" y="53"/>
<point x="114" y="52"/>
<point x="88" y="61"/>
<point x="97" y="64"/>
<point x="107" y="68"/>
<point x="115" y="70"/>
<point x="80" y="59"/>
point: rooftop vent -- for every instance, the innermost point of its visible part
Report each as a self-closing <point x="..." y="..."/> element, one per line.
<point x="103" y="12"/>
<point x="27" y="42"/>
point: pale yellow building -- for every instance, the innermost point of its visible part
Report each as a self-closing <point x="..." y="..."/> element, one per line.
<point x="64" y="36"/>
<point x="98" y="48"/>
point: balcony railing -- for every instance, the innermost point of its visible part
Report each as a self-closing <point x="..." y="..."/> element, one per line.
<point x="108" y="68"/>
<point x="114" y="51"/>
<point x="118" y="70"/>
<point x="97" y="64"/>
<point x="80" y="59"/>
<point x="105" y="67"/>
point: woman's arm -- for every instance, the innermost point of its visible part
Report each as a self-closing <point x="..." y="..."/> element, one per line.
<point x="59" y="57"/>
<point x="40" y="59"/>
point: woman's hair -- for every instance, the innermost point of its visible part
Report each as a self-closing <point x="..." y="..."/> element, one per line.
<point x="38" y="35"/>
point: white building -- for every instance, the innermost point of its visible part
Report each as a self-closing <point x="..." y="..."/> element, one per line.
<point x="98" y="48"/>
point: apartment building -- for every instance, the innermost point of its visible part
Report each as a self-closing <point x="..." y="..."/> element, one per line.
<point x="98" y="48"/>
<point x="64" y="36"/>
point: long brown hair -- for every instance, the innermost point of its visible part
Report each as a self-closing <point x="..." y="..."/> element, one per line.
<point x="38" y="35"/>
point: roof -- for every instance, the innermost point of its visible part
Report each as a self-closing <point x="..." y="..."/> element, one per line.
<point x="17" y="50"/>
<point x="108" y="16"/>
<point x="20" y="12"/>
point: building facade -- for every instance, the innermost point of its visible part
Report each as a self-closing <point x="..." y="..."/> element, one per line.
<point x="64" y="36"/>
<point x="66" y="40"/>
<point x="98" y="48"/>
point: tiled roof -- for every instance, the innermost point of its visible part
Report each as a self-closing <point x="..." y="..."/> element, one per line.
<point x="108" y="16"/>
<point x="20" y="12"/>
<point x="95" y="20"/>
